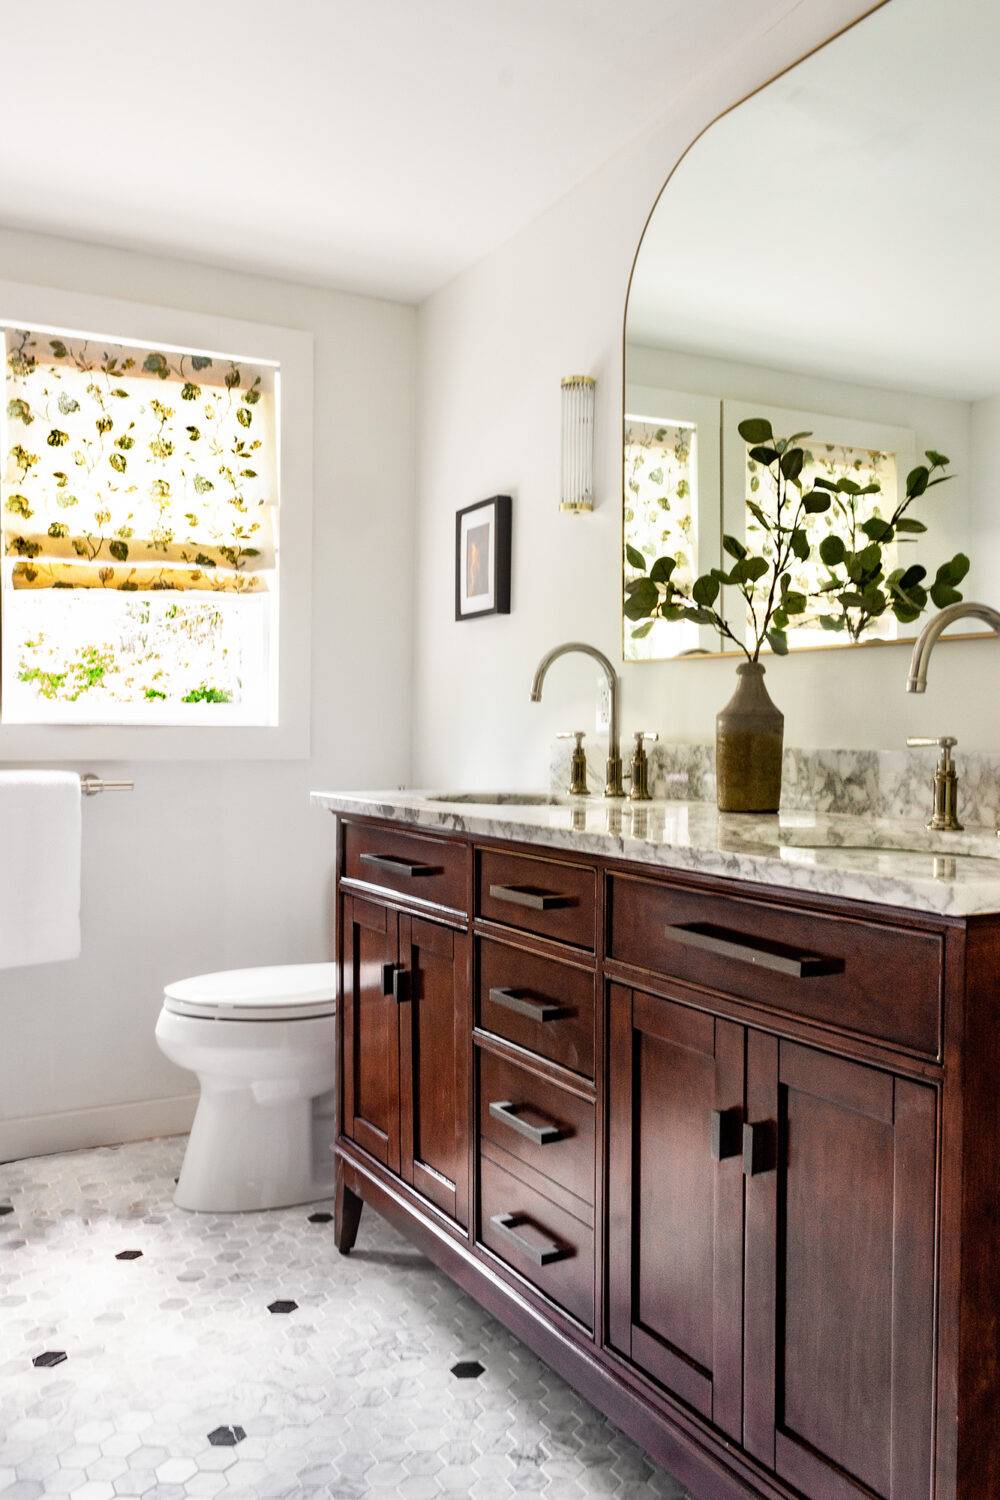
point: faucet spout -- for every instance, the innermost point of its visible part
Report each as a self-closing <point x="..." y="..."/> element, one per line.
<point x="916" y="682"/>
<point x="613" y="786"/>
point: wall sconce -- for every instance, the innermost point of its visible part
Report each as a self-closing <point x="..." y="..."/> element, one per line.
<point x="577" y="443"/>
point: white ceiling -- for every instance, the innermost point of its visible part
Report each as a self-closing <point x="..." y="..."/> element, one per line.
<point x="846" y="221"/>
<point x="375" y="145"/>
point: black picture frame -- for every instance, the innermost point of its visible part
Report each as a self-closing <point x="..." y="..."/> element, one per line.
<point x="497" y="514"/>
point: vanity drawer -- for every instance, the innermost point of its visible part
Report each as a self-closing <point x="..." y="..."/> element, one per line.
<point x="410" y="864"/>
<point x="546" y="1245"/>
<point x="544" y="1126"/>
<point x="876" y="979"/>
<point x="547" y="896"/>
<point x="537" y="1003"/>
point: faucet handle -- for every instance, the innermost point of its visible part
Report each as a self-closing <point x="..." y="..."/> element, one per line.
<point x="644" y="734"/>
<point x="571" y="734"/>
<point x="943" y="742"/>
<point x="578" y="762"/>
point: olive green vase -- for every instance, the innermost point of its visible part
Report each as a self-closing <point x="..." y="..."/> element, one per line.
<point x="749" y="738"/>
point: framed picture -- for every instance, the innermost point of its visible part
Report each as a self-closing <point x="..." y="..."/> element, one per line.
<point x="482" y="559"/>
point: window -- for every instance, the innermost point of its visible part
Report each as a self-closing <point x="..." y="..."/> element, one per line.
<point x="671" y="506"/>
<point x="138" y="517"/>
<point x="837" y="447"/>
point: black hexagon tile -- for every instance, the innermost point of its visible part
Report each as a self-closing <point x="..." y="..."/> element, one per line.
<point x="226" y="1437"/>
<point x="320" y="1218"/>
<point x="281" y="1307"/>
<point x="129" y="1255"/>
<point x="49" y="1358"/>
<point x="467" y="1369"/>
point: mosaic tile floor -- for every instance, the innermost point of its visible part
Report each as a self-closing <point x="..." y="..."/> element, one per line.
<point x="146" y="1351"/>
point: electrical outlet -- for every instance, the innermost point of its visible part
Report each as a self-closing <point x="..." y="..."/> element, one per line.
<point x="603" y="704"/>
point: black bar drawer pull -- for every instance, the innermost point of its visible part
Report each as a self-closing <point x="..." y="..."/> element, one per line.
<point x="530" y="895"/>
<point x="508" y="1114"/>
<point x="759" y="1148"/>
<point x="395" y="982"/>
<point x="543" y="1252"/>
<point x="727" y="1139"/>
<point x="399" y="865"/>
<point x="753" y="950"/>
<point x="536" y="1010"/>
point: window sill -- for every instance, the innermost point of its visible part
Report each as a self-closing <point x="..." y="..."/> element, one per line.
<point x="29" y="743"/>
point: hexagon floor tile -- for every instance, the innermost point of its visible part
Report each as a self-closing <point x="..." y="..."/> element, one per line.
<point x="352" y="1396"/>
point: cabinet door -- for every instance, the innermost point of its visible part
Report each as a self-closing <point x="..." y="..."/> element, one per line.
<point x="370" y="1030"/>
<point x="675" y="1196"/>
<point x="839" y="1274"/>
<point x="434" y="1059"/>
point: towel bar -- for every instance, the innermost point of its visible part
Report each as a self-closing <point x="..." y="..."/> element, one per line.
<point x="90" y="786"/>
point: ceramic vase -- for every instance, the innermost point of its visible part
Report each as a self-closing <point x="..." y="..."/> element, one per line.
<point x="749" y="738"/>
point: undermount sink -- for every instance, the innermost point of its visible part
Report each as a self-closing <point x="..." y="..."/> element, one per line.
<point x="505" y="799"/>
<point x="936" y="847"/>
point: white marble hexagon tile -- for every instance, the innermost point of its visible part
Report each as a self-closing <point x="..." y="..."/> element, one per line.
<point x="178" y="1380"/>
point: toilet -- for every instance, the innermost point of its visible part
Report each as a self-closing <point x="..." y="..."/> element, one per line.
<point x="263" y="1045"/>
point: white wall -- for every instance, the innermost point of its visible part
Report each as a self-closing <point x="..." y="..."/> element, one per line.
<point x="216" y="866"/>
<point x="492" y="348"/>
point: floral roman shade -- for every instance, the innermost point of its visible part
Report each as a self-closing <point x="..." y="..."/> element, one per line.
<point x="136" y="469"/>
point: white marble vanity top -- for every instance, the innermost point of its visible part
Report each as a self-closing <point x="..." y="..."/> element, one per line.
<point x="892" y="862"/>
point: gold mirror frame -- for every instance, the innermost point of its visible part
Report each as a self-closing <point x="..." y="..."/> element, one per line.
<point x="697" y="655"/>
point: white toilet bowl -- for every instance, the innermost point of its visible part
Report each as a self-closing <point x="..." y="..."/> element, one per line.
<point x="263" y="1044"/>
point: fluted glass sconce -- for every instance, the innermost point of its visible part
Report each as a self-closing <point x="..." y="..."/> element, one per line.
<point x="577" y="443"/>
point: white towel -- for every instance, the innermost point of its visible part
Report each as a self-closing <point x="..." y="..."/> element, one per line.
<point x="39" y="867"/>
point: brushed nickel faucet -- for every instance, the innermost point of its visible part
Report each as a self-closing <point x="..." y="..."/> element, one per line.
<point x="613" y="776"/>
<point x="926" y="640"/>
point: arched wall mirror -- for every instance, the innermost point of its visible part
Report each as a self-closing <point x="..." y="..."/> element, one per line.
<point x="820" y="274"/>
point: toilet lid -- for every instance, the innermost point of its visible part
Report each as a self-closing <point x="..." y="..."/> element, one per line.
<point x="284" y="992"/>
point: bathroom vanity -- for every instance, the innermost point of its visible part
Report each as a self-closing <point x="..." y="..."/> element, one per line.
<point x="704" y="1109"/>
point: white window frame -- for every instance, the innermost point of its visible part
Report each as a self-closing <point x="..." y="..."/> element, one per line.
<point x="60" y="312"/>
<point x="651" y="403"/>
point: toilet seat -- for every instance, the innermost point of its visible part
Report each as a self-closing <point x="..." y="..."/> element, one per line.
<point x="282" y="992"/>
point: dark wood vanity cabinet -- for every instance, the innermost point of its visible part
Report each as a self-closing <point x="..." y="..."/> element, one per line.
<point x="404" y="1049"/>
<point x="727" y="1157"/>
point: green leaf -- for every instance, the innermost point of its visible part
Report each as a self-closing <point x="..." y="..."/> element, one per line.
<point x="19" y="411"/>
<point x="944" y="594"/>
<point x="937" y="460"/>
<point x="800" y="544"/>
<point x="662" y="568"/>
<point x="916" y="481"/>
<point x="953" y="571"/>
<point x="914" y="575"/>
<point x="878" y="530"/>
<point x="756" y="430"/>
<point x="200" y="362"/>
<point x="766" y="456"/>
<point x="190" y="391"/>
<point x="705" y="589"/>
<point x="778" y="642"/>
<point x="791" y="464"/>
<point x="699" y="616"/>
<point x="815" y="505"/>
<point x="118" y="462"/>
<point x="832" y="622"/>
<point x="825" y="484"/>
<point x="57" y="438"/>
<point x="905" y="523"/>
<point x="244" y="416"/>
<point x="832" y="550"/>
<point x="119" y="550"/>
<point x="755" y="567"/>
<point x="634" y="557"/>
<point x="758" y="514"/>
<point x="794" y="603"/>
<point x="641" y="631"/>
<point x="642" y="600"/>
<point x="156" y="364"/>
<point x="58" y="348"/>
<point x="734" y="547"/>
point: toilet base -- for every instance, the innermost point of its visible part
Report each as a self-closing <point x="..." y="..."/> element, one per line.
<point x="245" y="1154"/>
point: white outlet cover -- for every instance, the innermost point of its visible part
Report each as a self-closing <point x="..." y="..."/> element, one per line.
<point x="603" y="720"/>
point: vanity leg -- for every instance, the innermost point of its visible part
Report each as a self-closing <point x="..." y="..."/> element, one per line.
<point x="347" y="1214"/>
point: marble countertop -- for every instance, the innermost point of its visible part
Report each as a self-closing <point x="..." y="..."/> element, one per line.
<point x="891" y="862"/>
